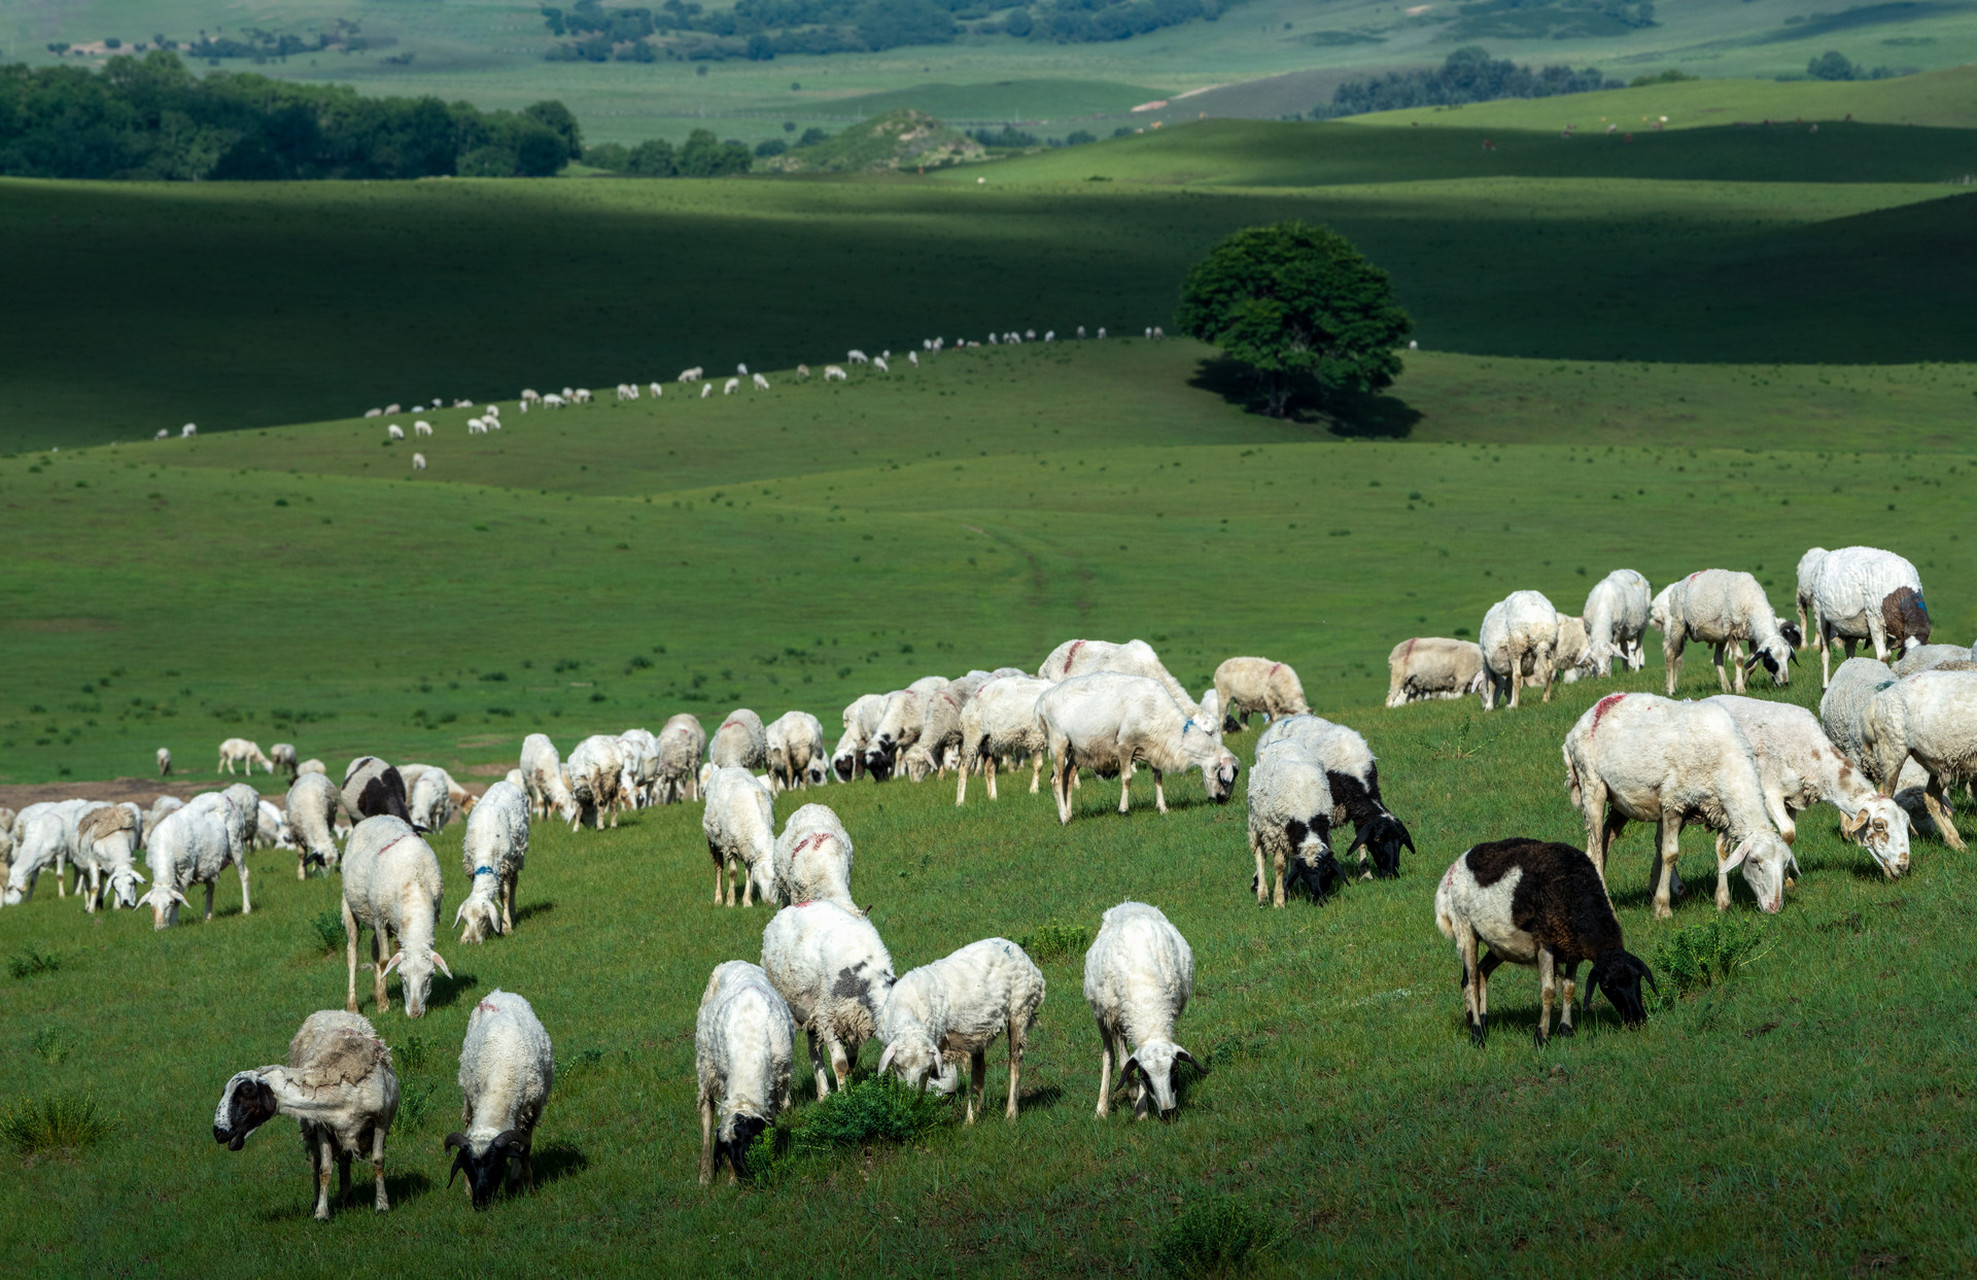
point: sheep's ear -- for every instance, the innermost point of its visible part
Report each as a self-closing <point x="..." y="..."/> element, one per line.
<point x="1405" y="838"/>
<point x="180" y="898"/>
<point x="885" y="1059"/>
<point x="1738" y="854"/>
<point x="458" y="916"/>
<point x="1182" y="1055"/>
<point x="441" y="962"/>
<point x="1358" y="838"/>
<point x="393" y="963"/>
<point x="1850" y="827"/>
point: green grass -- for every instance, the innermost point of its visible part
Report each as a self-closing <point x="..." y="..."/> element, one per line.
<point x="1018" y="100"/>
<point x="63" y="1123"/>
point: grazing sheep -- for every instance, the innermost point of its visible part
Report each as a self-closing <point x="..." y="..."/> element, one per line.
<point x="1843" y="711"/>
<point x="1133" y="658"/>
<point x="1000" y="725"/>
<point x="283" y="754"/>
<point x="1934" y="657"/>
<point x="1932" y="717"/>
<point x="1352" y="773"/>
<point x="44" y="838"/>
<point x="761" y="383"/>
<point x="240" y="751"/>
<point x="271" y="826"/>
<point x="1616" y="617"/>
<point x="422" y="428"/>
<point x="1518" y="638"/>
<point x="1797" y="761"/>
<point x="1290" y="819"/>
<point x="682" y="742"/>
<point x="937" y="746"/>
<point x="791" y="742"/>
<point x="1857" y="594"/>
<point x="1429" y="667"/>
<point x="832" y="373"/>
<point x="1245" y="685"/>
<point x="430" y="805"/>
<point x="312" y="766"/>
<point x="900" y="719"/>
<point x="1139" y="974"/>
<point x="832" y="968"/>
<point x="394" y="432"/>
<point x="492" y="852"/>
<point x="159" y="808"/>
<point x="812" y="858"/>
<point x="740" y="824"/>
<point x="960" y="1004"/>
<point x="372" y="787"/>
<point x="338" y="1084"/>
<point x="744" y="1041"/>
<point x="418" y="462"/>
<point x="542" y="771"/>
<point x="855" y="356"/>
<point x="311" y="809"/>
<point x="1641" y="758"/>
<point x="506" y="1068"/>
<point x="1808" y="577"/>
<point x="596" y="779"/>
<point x="1726" y="609"/>
<point x="640" y="752"/>
<point x="740" y="742"/>
<point x="392" y="886"/>
<point x="861" y="723"/>
<point x="1569" y="658"/>
<point x="1540" y="904"/>
<point x="1109" y="722"/>
<point x="164" y="761"/>
<point x="192" y="846"/>
<point x="107" y="837"/>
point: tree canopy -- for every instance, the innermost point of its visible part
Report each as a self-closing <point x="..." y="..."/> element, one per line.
<point x="1295" y="302"/>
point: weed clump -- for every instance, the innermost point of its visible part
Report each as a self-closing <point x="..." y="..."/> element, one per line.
<point x="1054" y="940"/>
<point x="876" y="1109"/>
<point x="53" y="1046"/>
<point x="1216" y="1234"/>
<point x="326" y="927"/>
<point x="56" y="1122"/>
<point x="1706" y="954"/>
<point x="33" y="964"/>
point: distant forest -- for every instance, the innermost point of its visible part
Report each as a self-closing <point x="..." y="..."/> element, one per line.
<point x="1469" y="75"/>
<point x="151" y="118"/>
<point x="761" y="29"/>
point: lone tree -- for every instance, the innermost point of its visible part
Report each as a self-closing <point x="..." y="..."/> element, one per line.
<point x="1293" y="300"/>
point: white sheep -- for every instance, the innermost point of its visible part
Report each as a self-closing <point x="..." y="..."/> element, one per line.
<point x="682" y="742"/>
<point x="164" y="761"/>
<point x="1932" y="717"/>
<point x="1139" y="975"/>
<point x="418" y="462"/>
<point x="1616" y="617"/>
<point x="1808" y="577"/>
<point x="394" y="432"/>
<point x="1726" y="609"/>
<point x="812" y="858"/>
<point x="1433" y="667"/>
<point x="507" y="1066"/>
<point x="492" y="853"/>
<point x="1864" y="593"/>
<point x="107" y="839"/>
<point x="44" y="838"/>
<point x="1135" y="657"/>
<point x="656" y="390"/>
<point x="855" y="356"/>
<point x="832" y="373"/>
<point x="744" y="1041"/>
<point x="422" y="428"/>
<point x="339" y="1084"/>
<point x="392" y="886"/>
<point x="192" y="846"/>
<point x="1109" y="722"/>
<point x="638" y="753"/>
<point x="1796" y="760"/>
<point x="960" y="1004"/>
<point x="542" y="771"/>
<point x="311" y="765"/>
<point x="597" y="770"/>
<point x="1641" y="758"/>
<point x="740" y="825"/>
<point x="311" y="812"/>
<point x="937" y="745"/>
<point x="999" y="724"/>
<point x="729" y="387"/>
<point x="430" y="804"/>
<point x="1935" y="657"/>
<point x="1245" y="685"/>
<point x="1543" y="905"/>
<point x="1518" y="637"/>
<point x="741" y="742"/>
<point x="831" y="966"/>
<point x="242" y="752"/>
<point x="1570" y="658"/>
<point x="791" y="742"/>
<point x="271" y="826"/>
<point x="761" y="383"/>
<point x="283" y="755"/>
<point x="1290" y="822"/>
<point x="861" y="724"/>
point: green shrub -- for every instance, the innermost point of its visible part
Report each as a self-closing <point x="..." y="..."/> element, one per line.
<point x="1053" y="940"/>
<point x="57" y="1122"/>
<point x="33" y="963"/>
<point x="411" y="1053"/>
<point x="876" y="1109"/>
<point x="1706" y="954"/>
<point x="326" y="928"/>
<point x="53" y="1046"/>
<point x="1215" y="1234"/>
<point x="415" y="1104"/>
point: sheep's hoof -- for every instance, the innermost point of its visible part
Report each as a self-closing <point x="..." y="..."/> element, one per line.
<point x="1538" y="1036"/>
<point x="1479" y="1032"/>
<point x="1565" y="1029"/>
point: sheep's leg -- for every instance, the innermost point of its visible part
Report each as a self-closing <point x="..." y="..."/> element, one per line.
<point x="817" y="1065"/>
<point x="1017" y="1035"/>
<point x="1936" y="799"/>
<point x="988" y="774"/>
<point x="1516" y="675"/>
<point x="706" y="1140"/>
<point x="1549" y="670"/>
<point x="380" y="935"/>
<point x="210" y="884"/>
<point x="1159" y="791"/>
<point x="246" y="903"/>
<point x="1547" y="990"/>
<point x="1277" y="863"/>
<point x="977" y="1081"/>
<point x="1125" y="783"/>
<point x="321" y="1160"/>
<point x="1262" y="886"/>
<point x="342" y="1178"/>
<point x="1671" y="650"/>
<point x="382" y="1204"/>
<point x="1565" y="1017"/>
<point x="843" y="1059"/>
<point x="961" y="786"/>
<point x="1060" y="787"/>
<point x="350" y="949"/>
<point x="1592" y="802"/>
<point x="1877" y="630"/>
<point x="747" y="885"/>
<point x="95" y="887"/>
<point x="1036" y="771"/>
<point x="1472" y="982"/>
<point x="1722" y="876"/>
<point x="1104" y="1072"/>
<point x="1669" y="839"/>
<point x="508" y="905"/>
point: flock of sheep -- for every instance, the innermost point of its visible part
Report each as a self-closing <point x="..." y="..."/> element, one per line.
<point x="1885" y="750"/>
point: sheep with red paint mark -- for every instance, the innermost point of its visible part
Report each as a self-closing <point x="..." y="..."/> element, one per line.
<point x="812" y="858"/>
<point x="392" y="886"/>
<point x="1248" y="685"/>
<point x="740" y="743"/>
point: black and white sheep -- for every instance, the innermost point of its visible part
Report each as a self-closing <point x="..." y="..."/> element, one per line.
<point x="831" y="966"/>
<point x="743" y="1044"/>
<point x="1108" y="722"/>
<point x="1865" y="593"/>
<point x="959" y="1004"/>
<point x="861" y="722"/>
<point x="1541" y="904"/>
<point x="1352" y="773"/>
<point x="507" y="1066"/>
<point x="371" y="787"/>
<point x="1290" y="822"/>
<point x="1139" y="975"/>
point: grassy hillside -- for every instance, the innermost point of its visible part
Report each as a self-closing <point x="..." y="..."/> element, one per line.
<point x="630" y="279"/>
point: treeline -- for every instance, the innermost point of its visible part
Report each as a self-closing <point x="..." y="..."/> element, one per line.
<point x="701" y="156"/>
<point x="1468" y="75"/>
<point x="762" y="29"/>
<point x="152" y="119"/>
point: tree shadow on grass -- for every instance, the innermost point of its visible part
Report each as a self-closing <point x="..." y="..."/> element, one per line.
<point x="1355" y="415"/>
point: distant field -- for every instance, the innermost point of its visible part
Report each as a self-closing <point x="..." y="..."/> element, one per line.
<point x="1019" y="100"/>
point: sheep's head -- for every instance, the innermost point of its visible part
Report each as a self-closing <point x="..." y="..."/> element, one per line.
<point x="486" y="1165"/>
<point x="1793" y="636"/>
<point x="1882" y="827"/>
<point x="1383" y="835"/>
<point x="1153" y="1065"/>
<point x="1765" y="858"/>
<point x="1311" y="863"/>
<point x="879" y="757"/>
<point x="123" y="887"/>
<point x="731" y="1144"/>
<point x="1776" y="656"/>
<point x="480" y="916"/>
<point x="816" y="773"/>
<point x="1219" y="766"/>
<point x="914" y="1058"/>
<point x="246" y="1104"/>
<point x="845" y="766"/>
<point x="164" y="901"/>
<point x="917" y="763"/>
<point x="415" y="977"/>
<point x="1619" y="974"/>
